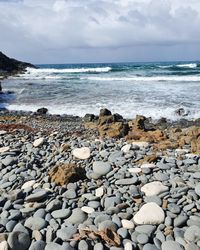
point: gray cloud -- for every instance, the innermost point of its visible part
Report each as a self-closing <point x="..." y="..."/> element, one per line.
<point x="90" y="30"/>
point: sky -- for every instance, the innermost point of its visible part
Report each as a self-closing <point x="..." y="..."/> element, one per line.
<point x="82" y="31"/>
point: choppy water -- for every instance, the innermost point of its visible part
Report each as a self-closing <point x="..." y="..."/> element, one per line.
<point x="151" y="89"/>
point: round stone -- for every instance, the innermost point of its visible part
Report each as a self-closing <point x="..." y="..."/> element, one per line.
<point x="149" y="213"/>
<point x="154" y="188"/>
<point x="37" y="245"/>
<point x="66" y="233"/>
<point x="77" y="216"/>
<point x="99" y="192"/>
<point x="101" y="168"/>
<point x="35" y="223"/>
<point x="38" y="142"/>
<point x="107" y="224"/>
<point x="170" y="244"/>
<point x="87" y="210"/>
<point x="61" y="213"/>
<point x="192" y="234"/>
<point x="142" y="239"/>
<point x="81" y="153"/>
<point x="28" y="184"/>
<point x="18" y="241"/>
<point x="127" y="224"/>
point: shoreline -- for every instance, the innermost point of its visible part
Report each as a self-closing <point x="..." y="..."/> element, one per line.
<point x="65" y="184"/>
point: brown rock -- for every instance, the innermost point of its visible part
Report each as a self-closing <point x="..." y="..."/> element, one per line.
<point x="195" y="145"/>
<point x="148" y="159"/>
<point x="65" y="173"/>
<point x="115" y="130"/>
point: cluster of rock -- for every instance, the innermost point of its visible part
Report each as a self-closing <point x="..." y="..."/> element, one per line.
<point x="115" y="126"/>
<point x="67" y="192"/>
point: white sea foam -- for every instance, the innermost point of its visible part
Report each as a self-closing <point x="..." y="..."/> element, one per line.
<point x="69" y="70"/>
<point x="187" y="65"/>
<point x="145" y="79"/>
<point x="122" y="108"/>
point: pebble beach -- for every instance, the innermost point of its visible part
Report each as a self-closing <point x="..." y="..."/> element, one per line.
<point x="66" y="187"/>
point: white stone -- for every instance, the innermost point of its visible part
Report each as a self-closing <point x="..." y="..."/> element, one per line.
<point x="3" y="132"/>
<point x="141" y="144"/>
<point x="191" y="156"/>
<point x="4" y="245"/>
<point x="149" y="213"/>
<point x="148" y="165"/>
<point x="81" y="153"/>
<point x="38" y="142"/>
<point x="128" y="246"/>
<point x="154" y="188"/>
<point x="181" y="151"/>
<point x="4" y="149"/>
<point x="127" y="224"/>
<point x="28" y="184"/>
<point x="135" y="170"/>
<point x="126" y="148"/>
<point x="87" y="210"/>
<point x="99" y="192"/>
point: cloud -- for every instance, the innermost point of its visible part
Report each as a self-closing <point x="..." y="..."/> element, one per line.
<point x="28" y="26"/>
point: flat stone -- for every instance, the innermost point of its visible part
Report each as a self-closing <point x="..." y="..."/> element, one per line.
<point x="19" y="241"/>
<point x="69" y="194"/>
<point x="128" y="246"/>
<point x="53" y="205"/>
<point x="180" y="220"/>
<point x="66" y="233"/>
<point x="149" y="246"/>
<point x="8" y="161"/>
<point x="3" y="132"/>
<point x="101" y="168"/>
<point x="127" y="224"/>
<point x="53" y="246"/>
<point x="148" y="165"/>
<point x="35" y="223"/>
<point x="28" y="184"/>
<point x="38" y="142"/>
<point x="146" y="229"/>
<point x="142" y="239"/>
<point x="149" y="213"/>
<point x="127" y="181"/>
<point x="197" y="189"/>
<point x="37" y="245"/>
<point x="126" y="148"/>
<point x="37" y="196"/>
<point x="135" y="170"/>
<point x="61" y="213"/>
<point x="141" y="144"/>
<point x="77" y="216"/>
<point x="169" y="244"/>
<point x="87" y="210"/>
<point x="81" y="153"/>
<point x="4" y="149"/>
<point x="154" y="188"/>
<point x="192" y="234"/>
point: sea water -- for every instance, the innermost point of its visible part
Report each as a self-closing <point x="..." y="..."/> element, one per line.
<point x="151" y="89"/>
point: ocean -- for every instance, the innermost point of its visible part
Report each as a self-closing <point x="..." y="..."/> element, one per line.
<point x="152" y="89"/>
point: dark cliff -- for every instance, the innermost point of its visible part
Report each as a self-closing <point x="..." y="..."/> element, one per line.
<point x="9" y="66"/>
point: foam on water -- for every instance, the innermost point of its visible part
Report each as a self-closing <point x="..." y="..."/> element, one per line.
<point x="155" y="90"/>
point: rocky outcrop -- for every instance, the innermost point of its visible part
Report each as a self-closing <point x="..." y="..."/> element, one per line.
<point x="9" y="66"/>
<point x="108" y="125"/>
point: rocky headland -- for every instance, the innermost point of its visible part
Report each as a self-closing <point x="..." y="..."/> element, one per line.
<point x="98" y="182"/>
